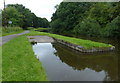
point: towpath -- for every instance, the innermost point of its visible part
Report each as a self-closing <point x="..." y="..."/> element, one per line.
<point x="5" y="39"/>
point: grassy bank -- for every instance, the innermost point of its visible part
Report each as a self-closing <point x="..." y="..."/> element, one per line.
<point x="10" y="30"/>
<point x="37" y="29"/>
<point x="19" y="62"/>
<point x="85" y="43"/>
<point x="41" y="29"/>
<point x="5" y="34"/>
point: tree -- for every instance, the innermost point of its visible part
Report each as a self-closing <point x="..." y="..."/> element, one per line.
<point x="23" y="17"/>
<point x="89" y="19"/>
<point x="113" y="29"/>
<point x="68" y="15"/>
<point x="45" y="23"/>
<point x="88" y="27"/>
<point x="12" y="15"/>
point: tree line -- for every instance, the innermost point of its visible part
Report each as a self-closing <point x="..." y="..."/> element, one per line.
<point x="22" y="17"/>
<point x="87" y="18"/>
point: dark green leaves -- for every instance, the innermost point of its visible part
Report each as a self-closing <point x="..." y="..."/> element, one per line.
<point x="23" y="17"/>
<point x="90" y="19"/>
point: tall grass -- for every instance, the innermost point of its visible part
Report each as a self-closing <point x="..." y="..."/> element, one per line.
<point x="10" y="30"/>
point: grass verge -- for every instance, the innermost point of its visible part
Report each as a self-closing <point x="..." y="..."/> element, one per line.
<point x="19" y="62"/>
<point x="84" y="43"/>
<point x="5" y="34"/>
<point x="10" y="30"/>
<point x="42" y="29"/>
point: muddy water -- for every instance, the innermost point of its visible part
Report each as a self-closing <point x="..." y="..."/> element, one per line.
<point x="64" y="64"/>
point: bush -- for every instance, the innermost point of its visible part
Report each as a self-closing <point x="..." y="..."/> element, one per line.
<point x="56" y="26"/>
<point x="112" y="29"/>
<point x="88" y="27"/>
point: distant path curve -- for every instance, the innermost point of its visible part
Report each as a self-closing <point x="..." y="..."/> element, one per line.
<point x="5" y="39"/>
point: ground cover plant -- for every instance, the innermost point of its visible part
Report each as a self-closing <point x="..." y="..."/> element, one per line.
<point x="10" y="30"/>
<point x="19" y="62"/>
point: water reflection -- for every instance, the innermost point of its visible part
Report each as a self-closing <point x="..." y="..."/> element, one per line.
<point x="99" y="62"/>
<point x="64" y="64"/>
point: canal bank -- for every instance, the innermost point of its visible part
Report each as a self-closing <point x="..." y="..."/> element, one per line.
<point x="75" y="43"/>
<point x="19" y="50"/>
<point x="19" y="62"/>
<point x="65" y="64"/>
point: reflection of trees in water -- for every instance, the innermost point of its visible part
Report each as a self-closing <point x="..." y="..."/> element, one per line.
<point x="97" y="62"/>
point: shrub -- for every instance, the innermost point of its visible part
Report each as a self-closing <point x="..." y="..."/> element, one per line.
<point x="88" y="27"/>
<point x="112" y="29"/>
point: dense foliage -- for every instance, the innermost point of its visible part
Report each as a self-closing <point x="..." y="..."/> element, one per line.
<point x="23" y="17"/>
<point x="89" y="19"/>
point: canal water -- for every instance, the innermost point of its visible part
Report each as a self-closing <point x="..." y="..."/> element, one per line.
<point x="64" y="64"/>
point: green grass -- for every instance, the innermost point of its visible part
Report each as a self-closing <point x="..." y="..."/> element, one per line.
<point x="5" y="34"/>
<point x="87" y="44"/>
<point x="10" y="30"/>
<point x="37" y="29"/>
<point x="41" y="29"/>
<point x="19" y="62"/>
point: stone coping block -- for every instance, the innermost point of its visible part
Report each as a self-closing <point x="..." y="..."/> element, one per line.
<point x="82" y="49"/>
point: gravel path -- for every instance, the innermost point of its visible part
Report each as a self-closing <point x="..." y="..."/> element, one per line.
<point x="5" y="39"/>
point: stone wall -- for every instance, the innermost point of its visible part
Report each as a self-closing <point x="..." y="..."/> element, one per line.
<point x="82" y="49"/>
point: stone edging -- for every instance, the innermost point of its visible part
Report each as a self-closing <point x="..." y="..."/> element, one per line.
<point x="82" y="49"/>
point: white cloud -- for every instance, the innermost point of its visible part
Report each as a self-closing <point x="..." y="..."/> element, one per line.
<point x="42" y="8"/>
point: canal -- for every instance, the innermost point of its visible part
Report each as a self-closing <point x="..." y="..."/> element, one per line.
<point x="65" y="64"/>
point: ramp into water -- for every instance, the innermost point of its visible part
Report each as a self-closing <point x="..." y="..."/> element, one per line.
<point x="40" y="39"/>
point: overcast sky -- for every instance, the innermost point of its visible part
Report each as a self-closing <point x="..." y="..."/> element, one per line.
<point x="41" y="8"/>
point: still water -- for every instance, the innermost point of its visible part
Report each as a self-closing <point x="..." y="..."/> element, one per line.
<point x="64" y="64"/>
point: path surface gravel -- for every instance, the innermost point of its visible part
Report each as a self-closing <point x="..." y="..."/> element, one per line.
<point x="5" y="39"/>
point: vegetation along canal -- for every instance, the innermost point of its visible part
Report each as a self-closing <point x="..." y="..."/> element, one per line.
<point x="64" y="64"/>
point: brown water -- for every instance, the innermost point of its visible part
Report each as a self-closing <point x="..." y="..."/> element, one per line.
<point x="64" y="64"/>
